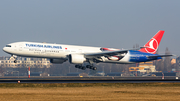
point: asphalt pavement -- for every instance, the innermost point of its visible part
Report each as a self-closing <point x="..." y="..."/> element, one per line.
<point x="97" y="79"/>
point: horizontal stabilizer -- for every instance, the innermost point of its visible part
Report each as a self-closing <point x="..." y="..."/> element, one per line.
<point x="159" y="56"/>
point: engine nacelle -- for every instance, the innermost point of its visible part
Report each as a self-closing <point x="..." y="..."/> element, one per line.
<point x="76" y="58"/>
<point x="60" y="61"/>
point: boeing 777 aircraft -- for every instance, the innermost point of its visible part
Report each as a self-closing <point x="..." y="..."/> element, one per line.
<point x="83" y="56"/>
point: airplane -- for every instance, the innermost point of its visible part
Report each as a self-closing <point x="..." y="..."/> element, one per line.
<point x="84" y="56"/>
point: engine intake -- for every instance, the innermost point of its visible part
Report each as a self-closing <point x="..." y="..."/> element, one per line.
<point x="76" y="58"/>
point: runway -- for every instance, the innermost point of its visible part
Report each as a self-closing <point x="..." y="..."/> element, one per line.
<point x="89" y="79"/>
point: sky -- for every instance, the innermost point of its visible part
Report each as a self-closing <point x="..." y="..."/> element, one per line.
<point x="102" y="23"/>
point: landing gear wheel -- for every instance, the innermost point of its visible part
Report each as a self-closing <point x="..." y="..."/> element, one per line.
<point x="94" y="68"/>
<point x="83" y="68"/>
<point x="91" y="67"/>
<point x="76" y="66"/>
<point x="80" y="67"/>
<point x="15" y="61"/>
<point x="88" y="66"/>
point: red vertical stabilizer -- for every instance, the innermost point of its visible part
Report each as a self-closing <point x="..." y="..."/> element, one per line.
<point x="153" y="44"/>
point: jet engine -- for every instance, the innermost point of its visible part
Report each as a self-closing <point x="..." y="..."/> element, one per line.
<point x="58" y="61"/>
<point x="76" y="58"/>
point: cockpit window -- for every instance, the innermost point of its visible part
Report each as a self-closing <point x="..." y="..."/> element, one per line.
<point x="8" y="45"/>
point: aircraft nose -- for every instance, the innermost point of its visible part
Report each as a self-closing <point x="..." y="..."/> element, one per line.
<point x="4" y="49"/>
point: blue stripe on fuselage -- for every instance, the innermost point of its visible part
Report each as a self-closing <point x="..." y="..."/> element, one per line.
<point x="137" y="56"/>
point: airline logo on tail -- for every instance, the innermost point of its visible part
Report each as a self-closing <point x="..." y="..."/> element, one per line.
<point x="152" y="45"/>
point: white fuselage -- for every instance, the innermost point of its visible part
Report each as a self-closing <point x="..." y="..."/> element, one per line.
<point x="53" y="51"/>
<point x="59" y="53"/>
<point x="46" y="50"/>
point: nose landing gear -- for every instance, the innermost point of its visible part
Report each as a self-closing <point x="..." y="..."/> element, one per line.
<point x="14" y="58"/>
<point x="15" y="61"/>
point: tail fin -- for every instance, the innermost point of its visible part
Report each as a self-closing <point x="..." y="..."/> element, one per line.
<point x="152" y="45"/>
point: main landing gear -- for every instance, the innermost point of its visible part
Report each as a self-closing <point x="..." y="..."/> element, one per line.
<point x="84" y="67"/>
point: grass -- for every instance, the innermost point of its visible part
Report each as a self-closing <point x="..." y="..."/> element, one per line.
<point x="90" y="91"/>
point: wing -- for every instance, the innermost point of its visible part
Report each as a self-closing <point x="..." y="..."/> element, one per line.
<point x="105" y="53"/>
<point x="108" y="53"/>
<point x="98" y="56"/>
